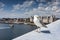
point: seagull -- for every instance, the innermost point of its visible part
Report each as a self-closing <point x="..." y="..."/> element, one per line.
<point x="38" y="23"/>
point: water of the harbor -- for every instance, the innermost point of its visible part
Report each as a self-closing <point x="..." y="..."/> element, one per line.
<point x="9" y="33"/>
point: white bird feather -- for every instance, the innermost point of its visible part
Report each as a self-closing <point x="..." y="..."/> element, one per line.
<point x="38" y="22"/>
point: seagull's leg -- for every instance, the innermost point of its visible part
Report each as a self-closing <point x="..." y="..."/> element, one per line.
<point x="36" y="29"/>
<point x="39" y="29"/>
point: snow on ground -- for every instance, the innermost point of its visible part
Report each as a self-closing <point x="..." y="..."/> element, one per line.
<point x="50" y="33"/>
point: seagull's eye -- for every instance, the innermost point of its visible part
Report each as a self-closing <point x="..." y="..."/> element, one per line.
<point x="37" y="17"/>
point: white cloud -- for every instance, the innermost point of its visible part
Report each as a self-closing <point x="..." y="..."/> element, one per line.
<point x="23" y="6"/>
<point x="48" y="8"/>
<point x="54" y="8"/>
<point x="42" y="10"/>
<point x="41" y="0"/>
<point x="58" y="11"/>
<point x="16" y="7"/>
<point x="2" y="4"/>
<point x="39" y="11"/>
<point x="4" y="14"/>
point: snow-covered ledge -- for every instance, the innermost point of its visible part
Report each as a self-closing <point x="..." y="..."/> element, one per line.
<point x="50" y="33"/>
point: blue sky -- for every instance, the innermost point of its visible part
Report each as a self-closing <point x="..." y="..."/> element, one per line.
<point x="27" y="8"/>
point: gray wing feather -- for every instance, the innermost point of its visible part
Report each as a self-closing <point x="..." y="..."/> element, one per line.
<point x="43" y="24"/>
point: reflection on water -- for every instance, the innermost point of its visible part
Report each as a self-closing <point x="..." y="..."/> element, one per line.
<point x="4" y="26"/>
<point x="7" y="33"/>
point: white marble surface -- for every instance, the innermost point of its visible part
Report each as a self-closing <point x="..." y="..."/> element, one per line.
<point x="52" y="34"/>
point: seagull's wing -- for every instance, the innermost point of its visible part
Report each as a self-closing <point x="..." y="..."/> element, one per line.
<point x="43" y="24"/>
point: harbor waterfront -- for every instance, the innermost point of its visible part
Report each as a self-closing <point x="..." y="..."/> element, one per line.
<point x="45" y="19"/>
<point x="12" y="28"/>
<point x="8" y="33"/>
<point x="29" y="19"/>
